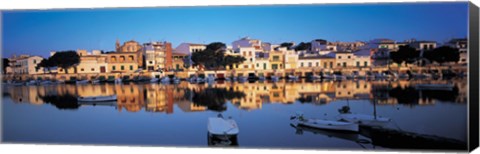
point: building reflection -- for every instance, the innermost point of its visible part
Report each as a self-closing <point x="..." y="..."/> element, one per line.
<point x="245" y="96"/>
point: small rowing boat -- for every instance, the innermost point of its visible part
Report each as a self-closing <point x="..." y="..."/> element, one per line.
<point x="97" y="98"/>
<point x="299" y="120"/>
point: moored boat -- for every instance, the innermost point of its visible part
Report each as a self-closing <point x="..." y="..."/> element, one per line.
<point x="300" y="120"/>
<point x="364" y="120"/>
<point x="223" y="127"/>
<point x="434" y="86"/>
<point x="81" y="82"/>
<point x="97" y="98"/>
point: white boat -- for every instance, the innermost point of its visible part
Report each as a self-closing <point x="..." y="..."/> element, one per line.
<point x="154" y="80"/>
<point x="165" y="79"/>
<point x="328" y="77"/>
<point x="292" y="77"/>
<point x="176" y="80"/>
<point x="339" y="77"/>
<point x="364" y="119"/>
<point x="275" y="78"/>
<point x="97" y="98"/>
<point x="81" y="82"/>
<point x="95" y="81"/>
<point x="31" y="82"/>
<point x="299" y="120"/>
<point x="222" y="127"/>
<point x="118" y="80"/>
<point x="242" y="79"/>
<point x="210" y="79"/>
<point x="434" y="86"/>
<point x="17" y="83"/>
<point x="46" y="82"/>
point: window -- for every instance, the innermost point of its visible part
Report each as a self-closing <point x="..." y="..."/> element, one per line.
<point x="122" y="67"/>
<point x="274" y="66"/>
<point x="150" y="62"/>
<point x="245" y="66"/>
<point x="301" y="64"/>
<point x="276" y="58"/>
<point x="358" y="64"/>
<point x="131" y="67"/>
<point x="281" y="66"/>
<point x="344" y="64"/>
<point x="324" y="64"/>
<point x="251" y="59"/>
<point x="348" y="57"/>
<point x="82" y="69"/>
<point x="431" y="46"/>
<point x="365" y="64"/>
<point x="309" y="64"/>
<point x="249" y="53"/>
<point x="331" y="64"/>
<point x="258" y="65"/>
<point x="264" y="66"/>
<point x="425" y="46"/>
<point x="34" y="61"/>
<point x="339" y="57"/>
<point x="317" y="64"/>
<point x="93" y="69"/>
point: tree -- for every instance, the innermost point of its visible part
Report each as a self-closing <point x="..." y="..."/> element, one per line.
<point x="65" y="59"/>
<point x="45" y="64"/>
<point x="287" y="44"/>
<point x="405" y="54"/>
<point x="5" y="64"/>
<point x="303" y="46"/>
<point x="213" y="57"/>
<point x="443" y="54"/>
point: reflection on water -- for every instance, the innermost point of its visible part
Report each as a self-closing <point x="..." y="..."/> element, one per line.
<point x="398" y="99"/>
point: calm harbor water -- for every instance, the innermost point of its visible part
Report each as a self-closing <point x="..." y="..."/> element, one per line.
<point x="176" y="115"/>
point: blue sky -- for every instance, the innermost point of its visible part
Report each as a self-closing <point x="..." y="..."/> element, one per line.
<point x="41" y="31"/>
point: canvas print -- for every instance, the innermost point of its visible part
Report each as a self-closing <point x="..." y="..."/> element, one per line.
<point x="374" y="76"/>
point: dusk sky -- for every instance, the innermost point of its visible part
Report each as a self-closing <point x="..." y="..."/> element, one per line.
<point x="39" y="32"/>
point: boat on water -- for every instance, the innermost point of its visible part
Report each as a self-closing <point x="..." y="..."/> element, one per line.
<point x="154" y="80"/>
<point x="97" y="98"/>
<point x="176" y="80"/>
<point x="300" y="120"/>
<point x="31" y="82"/>
<point x="242" y="79"/>
<point x="292" y="77"/>
<point x="45" y="82"/>
<point x="261" y="78"/>
<point x="118" y="81"/>
<point x="275" y="78"/>
<point x="81" y="82"/>
<point x="210" y="79"/>
<point x="95" y="81"/>
<point x="434" y="86"/>
<point x="220" y="126"/>
<point x="364" y="119"/>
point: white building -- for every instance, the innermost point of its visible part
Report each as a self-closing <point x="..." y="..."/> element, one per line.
<point x="25" y="64"/>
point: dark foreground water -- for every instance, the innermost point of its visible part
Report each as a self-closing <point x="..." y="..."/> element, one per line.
<point x="176" y="115"/>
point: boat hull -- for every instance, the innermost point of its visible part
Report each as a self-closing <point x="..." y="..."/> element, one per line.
<point x="97" y="99"/>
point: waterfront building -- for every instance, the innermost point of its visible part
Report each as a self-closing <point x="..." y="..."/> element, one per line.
<point x="462" y="45"/>
<point x="363" y="58"/>
<point x="178" y="61"/>
<point x="344" y="59"/>
<point x="132" y="47"/>
<point x="25" y="64"/>
<point x="89" y="64"/>
<point x="423" y="45"/>
<point x="158" y="56"/>
<point x="188" y="49"/>
<point x="122" y="62"/>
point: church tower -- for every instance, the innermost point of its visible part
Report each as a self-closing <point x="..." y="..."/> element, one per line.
<point x="117" y="46"/>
